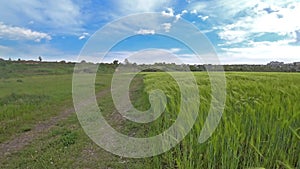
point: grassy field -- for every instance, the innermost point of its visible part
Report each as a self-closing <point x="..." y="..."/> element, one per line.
<point x="66" y="145"/>
<point x="260" y="126"/>
<point x="24" y="101"/>
<point x="27" y="101"/>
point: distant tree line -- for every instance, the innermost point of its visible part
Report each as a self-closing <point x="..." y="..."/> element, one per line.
<point x="270" y="67"/>
<point x="273" y="66"/>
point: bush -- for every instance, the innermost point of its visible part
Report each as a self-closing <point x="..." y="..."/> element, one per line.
<point x="68" y="138"/>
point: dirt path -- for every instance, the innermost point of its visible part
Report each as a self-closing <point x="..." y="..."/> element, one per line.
<point x="19" y="142"/>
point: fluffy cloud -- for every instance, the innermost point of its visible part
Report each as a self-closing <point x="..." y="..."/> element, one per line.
<point x="168" y="13"/>
<point x="178" y="16"/>
<point x="262" y="52"/>
<point x="154" y="56"/>
<point x="18" y="33"/>
<point x="282" y="22"/>
<point x="194" y="12"/>
<point x="167" y="26"/>
<point x="184" y="12"/>
<point x="146" y="32"/>
<point x="221" y="9"/>
<point x="203" y="18"/>
<point x="83" y="36"/>
<point x="279" y="19"/>
<point x="254" y="31"/>
<point x="61" y="16"/>
<point x="149" y="56"/>
<point x="174" y="50"/>
<point x="233" y="36"/>
<point x="135" y="6"/>
<point x="32" y="51"/>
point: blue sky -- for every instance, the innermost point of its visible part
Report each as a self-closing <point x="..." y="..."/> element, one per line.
<point x="242" y="31"/>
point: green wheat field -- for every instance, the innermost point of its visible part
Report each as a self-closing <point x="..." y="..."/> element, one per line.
<point x="260" y="126"/>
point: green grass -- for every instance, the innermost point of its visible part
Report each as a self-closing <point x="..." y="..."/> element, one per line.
<point x="65" y="145"/>
<point x="15" y="69"/>
<point x="260" y="126"/>
<point x="36" y="98"/>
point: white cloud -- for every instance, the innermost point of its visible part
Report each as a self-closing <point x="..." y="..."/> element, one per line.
<point x="61" y="16"/>
<point x="169" y="12"/>
<point x="288" y="22"/>
<point x="116" y="55"/>
<point x="31" y="52"/>
<point x="83" y="36"/>
<point x="221" y="9"/>
<point x="171" y="55"/>
<point x="146" y="32"/>
<point x="178" y="16"/>
<point x="194" y="12"/>
<point x="167" y="26"/>
<point x="233" y="36"/>
<point x="241" y="23"/>
<point x="175" y="50"/>
<point x="203" y="18"/>
<point x="135" y="6"/>
<point x="184" y="12"/>
<point x="280" y="19"/>
<point x="154" y="56"/>
<point x="18" y="33"/>
<point x="147" y="56"/>
<point x="262" y="52"/>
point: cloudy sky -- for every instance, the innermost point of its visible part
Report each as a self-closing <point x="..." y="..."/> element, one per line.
<point x="241" y="31"/>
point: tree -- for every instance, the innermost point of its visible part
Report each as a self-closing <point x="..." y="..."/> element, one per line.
<point x="115" y="62"/>
<point x="126" y="61"/>
<point x="40" y="58"/>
